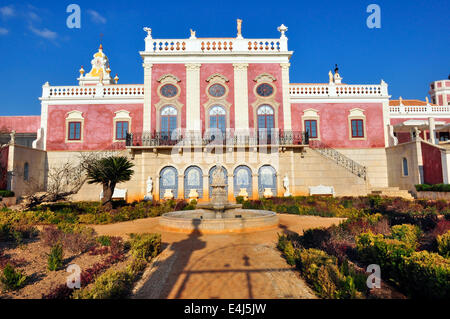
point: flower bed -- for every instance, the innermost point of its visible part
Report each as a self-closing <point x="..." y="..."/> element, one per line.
<point x="413" y="258"/>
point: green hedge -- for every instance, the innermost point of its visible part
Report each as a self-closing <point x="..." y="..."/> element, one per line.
<point x="323" y="273"/>
<point x="145" y="246"/>
<point x="443" y="242"/>
<point x="4" y="193"/>
<point x="418" y="274"/>
<point x="433" y="188"/>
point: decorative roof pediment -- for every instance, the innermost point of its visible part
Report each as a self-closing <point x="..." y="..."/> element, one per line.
<point x="168" y="78"/>
<point x="217" y="77"/>
<point x="265" y="77"/>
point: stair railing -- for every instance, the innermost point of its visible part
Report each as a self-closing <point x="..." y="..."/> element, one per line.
<point x="339" y="158"/>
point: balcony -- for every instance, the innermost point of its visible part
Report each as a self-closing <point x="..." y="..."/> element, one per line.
<point x="424" y="110"/>
<point x="92" y="92"/>
<point x="214" y="139"/>
<point x="301" y="91"/>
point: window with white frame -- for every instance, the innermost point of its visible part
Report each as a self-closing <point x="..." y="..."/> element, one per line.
<point x="74" y="127"/>
<point x="122" y="125"/>
<point x="357" y="124"/>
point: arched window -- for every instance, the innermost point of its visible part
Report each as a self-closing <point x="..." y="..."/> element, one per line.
<point x="266" y="117"/>
<point x="242" y="179"/>
<point x="193" y="179"/>
<point x="225" y="173"/>
<point x="405" y="166"/>
<point x="168" y="179"/>
<point x="267" y="178"/>
<point x="26" y="173"/>
<point x="217" y="118"/>
<point x="168" y="121"/>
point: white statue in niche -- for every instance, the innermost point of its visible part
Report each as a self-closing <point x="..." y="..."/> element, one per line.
<point x="286" y="186"/>
<point x="149" y="195"/>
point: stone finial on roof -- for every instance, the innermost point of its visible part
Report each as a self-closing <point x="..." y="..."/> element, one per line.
<point x="239" y="29"/>
<point x="400" y="99"/>
<point x="330" y="77"/>
<point x="337" y="77"/>
<point x="149" y="32"/>
<point x="282" y="29"/>
<point x="193" y="36"/>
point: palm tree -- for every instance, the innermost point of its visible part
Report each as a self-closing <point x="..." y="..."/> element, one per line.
<point x="109" y="171"/>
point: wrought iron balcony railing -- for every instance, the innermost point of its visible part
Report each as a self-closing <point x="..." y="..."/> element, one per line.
<point x="190" y="138"/>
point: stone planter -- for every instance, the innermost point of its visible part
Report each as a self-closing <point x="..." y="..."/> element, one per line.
<point x="434" y="195"/>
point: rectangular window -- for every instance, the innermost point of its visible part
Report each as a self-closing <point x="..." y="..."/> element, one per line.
<point x="121" y="130"/>
<point x="357" y="128"/>
<point x="311" y="128"/>
<point x="74" y="131"/>
<point x="405" y="167"/>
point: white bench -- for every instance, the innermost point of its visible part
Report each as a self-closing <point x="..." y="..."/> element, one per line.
<point x="118" y="194"/>
<point x="321" y="190"/>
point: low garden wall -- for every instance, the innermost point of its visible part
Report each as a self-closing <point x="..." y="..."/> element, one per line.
<point x="434" y="195"/>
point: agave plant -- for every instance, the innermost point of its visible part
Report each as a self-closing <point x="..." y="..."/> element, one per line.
<point x="108" y="172"/>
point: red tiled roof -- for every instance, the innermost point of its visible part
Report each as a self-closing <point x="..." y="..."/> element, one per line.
<point x="409" y="103"/>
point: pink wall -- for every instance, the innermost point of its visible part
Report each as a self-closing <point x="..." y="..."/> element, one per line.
<point x="255" y="69"/>
<point x="98" y="131"/>
<point x="207" y="70"/>
<point x="432" y="164"/>
<point x="334" y="125"/>
<point x="21" y="124"/>
<point x="178" y="70"/>
<point x="3" y="166"/>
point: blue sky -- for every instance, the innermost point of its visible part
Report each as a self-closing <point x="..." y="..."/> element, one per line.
<point x="409" y="51"/>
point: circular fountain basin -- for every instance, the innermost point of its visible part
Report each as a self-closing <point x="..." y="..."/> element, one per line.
<point x="205" y="221"/>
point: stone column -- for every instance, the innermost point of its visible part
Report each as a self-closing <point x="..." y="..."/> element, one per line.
<point x="180" y="187"/>
<point x="432" y="128"/>
<point x="147" y="120"/>
<point x="193" y="97"/>
<point x="241" y="96"/>
<point x="255" y="194"/>
<point x="205" y="188"/>
<point x="287" y="120"/>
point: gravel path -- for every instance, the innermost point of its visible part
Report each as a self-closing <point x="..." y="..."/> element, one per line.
<point x="231" y="266"/>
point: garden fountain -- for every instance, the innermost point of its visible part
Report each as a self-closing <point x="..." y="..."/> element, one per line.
<point x="219" y="215"/>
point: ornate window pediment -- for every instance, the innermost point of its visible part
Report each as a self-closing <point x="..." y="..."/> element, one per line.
<point x="356" y="113"/>
<point x="265" y="77"/>
<point x="217" y="77"/>
<point x="74" y="115"/>
<point x="310" y="113"/>
<point x="168" y="78"/>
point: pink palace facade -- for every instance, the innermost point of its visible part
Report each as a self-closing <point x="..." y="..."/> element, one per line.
<point x="230" y="100"/>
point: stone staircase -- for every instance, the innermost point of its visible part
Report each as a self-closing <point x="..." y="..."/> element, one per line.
<point x="339" y="158"/>
<point x="391" y="192"/>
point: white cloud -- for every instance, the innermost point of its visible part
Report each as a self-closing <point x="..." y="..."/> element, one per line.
<point x="7" y="11"/>
<point x="44" y="33"/>
<point x="33" y="16"/>
<point x="96" y="17"/>
<point x="4" y="31"/>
